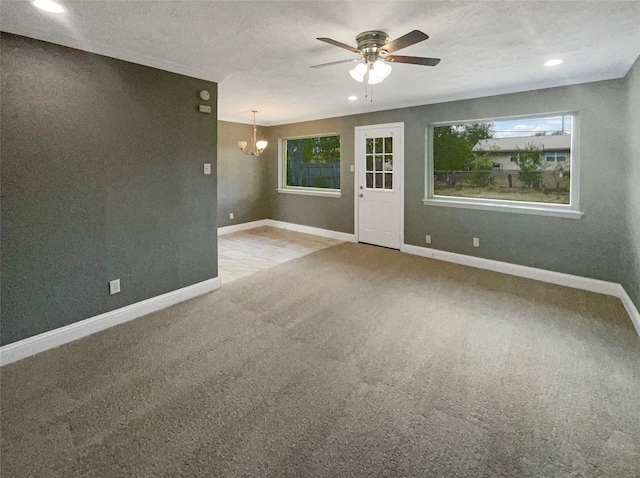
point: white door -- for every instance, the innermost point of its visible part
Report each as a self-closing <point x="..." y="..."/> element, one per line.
<point x="379" y="158"/>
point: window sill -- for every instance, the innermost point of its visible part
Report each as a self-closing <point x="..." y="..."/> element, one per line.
<point x="332" y="193"/>
<point x="557" y="211"/>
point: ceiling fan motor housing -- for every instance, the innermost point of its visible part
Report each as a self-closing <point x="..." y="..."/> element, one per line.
<point x="369" y="44"/>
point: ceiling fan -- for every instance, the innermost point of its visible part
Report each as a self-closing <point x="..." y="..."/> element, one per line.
<point x="374" y="50"/>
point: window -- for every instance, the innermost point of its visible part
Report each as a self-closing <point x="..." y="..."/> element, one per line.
<point x="519" y="164"/>
<point x="310" y="165"/>
<point x="553" y="156"/>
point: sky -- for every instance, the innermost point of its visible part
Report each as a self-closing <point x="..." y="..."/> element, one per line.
<point x="531" y="126"/>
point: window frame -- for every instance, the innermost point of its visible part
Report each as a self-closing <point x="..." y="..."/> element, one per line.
<point x="555" y="156"/>
<point x="304" y="190"/>
<point x="571" y="210"/>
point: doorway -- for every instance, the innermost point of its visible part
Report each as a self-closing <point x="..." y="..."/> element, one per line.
<point x="379" y="184"/>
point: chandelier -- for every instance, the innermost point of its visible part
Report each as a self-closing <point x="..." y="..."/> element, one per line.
<point x="257" y="147"/>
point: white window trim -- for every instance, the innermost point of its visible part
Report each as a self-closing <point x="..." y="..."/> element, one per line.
<point x="555" y="156"/>
<point x="334" y="193"/>
<point x="571" y="210"/>
<point x="304" y="191"/>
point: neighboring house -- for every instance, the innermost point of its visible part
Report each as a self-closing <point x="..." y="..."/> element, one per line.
<point x="556" y="150"/>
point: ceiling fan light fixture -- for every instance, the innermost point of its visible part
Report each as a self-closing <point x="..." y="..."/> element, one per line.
<point x="381" y="69"/>
<point x="373" y="78"/>
<point x="378" y="72"/>
<point x="358" y="72"/>
<point x="375" y="50"/>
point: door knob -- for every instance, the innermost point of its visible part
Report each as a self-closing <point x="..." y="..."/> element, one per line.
<point x="360" y="194"/>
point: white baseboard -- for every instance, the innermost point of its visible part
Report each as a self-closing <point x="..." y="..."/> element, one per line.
<point x="48" y="340"/>
<point x="54" y="338"/>
<point x="558" y="278"/>
<point x="316" y="231"/>
<point x="631" y="308"/>
<point x="242" y="227"/>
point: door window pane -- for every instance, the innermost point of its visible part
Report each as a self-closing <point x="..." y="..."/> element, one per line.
<point x="388" y="181"/>
<point x="379" y="163"/>
<point x="388" y="145"/>
<point x="388" y="162"/>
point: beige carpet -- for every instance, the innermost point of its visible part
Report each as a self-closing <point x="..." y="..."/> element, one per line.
<point x="351" y="361"/>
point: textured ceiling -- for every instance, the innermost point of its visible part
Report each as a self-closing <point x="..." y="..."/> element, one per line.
<point x="259" y="51"/>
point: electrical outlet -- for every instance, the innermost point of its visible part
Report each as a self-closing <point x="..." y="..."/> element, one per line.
<point x="427" y="239"/>
<point x="231" y="216"/>
<point x="114" y="286"/>
<point x="476" y="242"/>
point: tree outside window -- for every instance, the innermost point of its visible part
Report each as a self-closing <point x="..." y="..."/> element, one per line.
<point x="312" y="162"/>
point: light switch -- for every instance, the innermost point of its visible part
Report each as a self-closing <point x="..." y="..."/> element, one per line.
<point x="207" y="168"/>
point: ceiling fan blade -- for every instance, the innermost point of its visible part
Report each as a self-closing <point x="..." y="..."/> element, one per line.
<point x="414" y="60"/>
<point x="404" y="41"/>
<point x="341" y="45"/>
<point x="353" y="60"/>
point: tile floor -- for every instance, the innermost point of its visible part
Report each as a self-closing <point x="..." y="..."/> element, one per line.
<point x="246" y="252"/>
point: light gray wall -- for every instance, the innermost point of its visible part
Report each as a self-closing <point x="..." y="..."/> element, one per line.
<point x="102" y="178"/>
<point x="631" y="204"/>
<point x="242" y="189"/>
<point x="588" y="247"/>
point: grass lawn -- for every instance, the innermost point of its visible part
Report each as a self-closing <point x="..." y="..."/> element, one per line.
<point x="511" y="194"/>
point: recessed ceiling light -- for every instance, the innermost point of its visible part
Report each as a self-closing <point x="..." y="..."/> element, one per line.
<point x="555" y="62"/>
<point x="352" y="98"/>
<point x="48" y="6"/>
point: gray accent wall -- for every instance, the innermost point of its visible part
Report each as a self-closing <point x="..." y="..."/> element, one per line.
<point x="242" y="189"/>
<point x="102" y="178"/>
<point x="588" y="247"/>
<point x="631" y="204"/>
